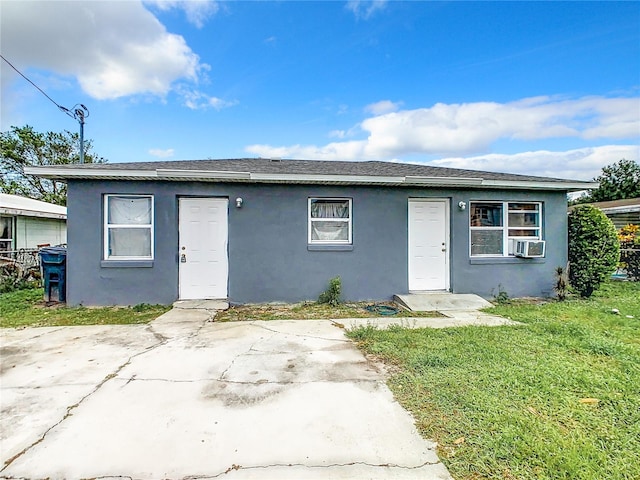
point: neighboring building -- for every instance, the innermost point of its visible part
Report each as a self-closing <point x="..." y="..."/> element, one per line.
<point x="26" y="223"/>
<point x="621" y="212"/>
<point x="260" y="230"/>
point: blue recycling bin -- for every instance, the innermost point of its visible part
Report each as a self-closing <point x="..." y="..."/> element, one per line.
<point x="54" y="273"/>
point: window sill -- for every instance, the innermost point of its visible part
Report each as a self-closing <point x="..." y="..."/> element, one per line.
<point x="500" y="260"/>
<point x="126" y="263"/>
<point x="330" y="248"/>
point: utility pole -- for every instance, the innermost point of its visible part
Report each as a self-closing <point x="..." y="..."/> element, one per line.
<point x="79" y="112"/>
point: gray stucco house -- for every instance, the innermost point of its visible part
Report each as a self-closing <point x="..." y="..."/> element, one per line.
<point x="261" y="230"/>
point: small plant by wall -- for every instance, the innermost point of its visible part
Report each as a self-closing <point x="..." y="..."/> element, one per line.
<point x="561" y="286"/>
<point x="502" y="297"/>
<point x="332" y="294"/>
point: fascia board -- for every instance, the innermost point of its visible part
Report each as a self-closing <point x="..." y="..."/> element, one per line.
<point x="623" y="209"/>
<point x="53" y="172"/>
<point x="539" y="185"/>
<point x="106" y="173"/>
<point x="31" y="213"/>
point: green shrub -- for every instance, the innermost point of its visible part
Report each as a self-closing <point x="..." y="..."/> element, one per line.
<point x="15" y="277"/>
<point x="332" y="294"/>
<point x="594" y="250"/>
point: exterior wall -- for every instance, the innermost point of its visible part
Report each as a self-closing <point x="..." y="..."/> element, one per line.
<point x="33" y="231"/>
<point x="269" y="259"/>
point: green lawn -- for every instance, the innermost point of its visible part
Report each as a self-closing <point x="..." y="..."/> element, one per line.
<point x="556" y="398"/>
<point x="26" y="308"/>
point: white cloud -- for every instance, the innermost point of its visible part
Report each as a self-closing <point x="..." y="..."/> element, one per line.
<point x="365" y="8"/>
<point x="579" y="164"/>
<point x="196" y="11"/>
<point x="471" y="128"/>
<point x="160" y="153"/>
<point x="196" y="100"/>
<point x="382" y="107"/>
<point x="333" y="151"/>
<point x="114" y="49"/>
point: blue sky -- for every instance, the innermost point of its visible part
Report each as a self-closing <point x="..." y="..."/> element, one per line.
<point x="543" y="88"/>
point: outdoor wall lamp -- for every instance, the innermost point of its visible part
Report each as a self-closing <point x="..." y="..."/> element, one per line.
<point x="239" y="202"/>
<point x="462" y="205"/>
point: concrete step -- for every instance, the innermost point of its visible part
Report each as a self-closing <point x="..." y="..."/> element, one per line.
<point x="441" y="301"/>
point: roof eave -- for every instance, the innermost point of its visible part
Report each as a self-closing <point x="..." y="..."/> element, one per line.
<point x="21" y="212"/>
<point x="248" y="177"/>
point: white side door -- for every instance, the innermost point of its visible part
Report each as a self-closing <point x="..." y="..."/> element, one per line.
<point x="203" y="232"/>
<point x="428" y="245"/>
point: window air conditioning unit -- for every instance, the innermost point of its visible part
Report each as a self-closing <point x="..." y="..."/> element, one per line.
<point x="529" y="248"/>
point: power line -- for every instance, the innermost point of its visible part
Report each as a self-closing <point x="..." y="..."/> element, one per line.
<point x="64" y="109"/>
<point x="79" y="112"/>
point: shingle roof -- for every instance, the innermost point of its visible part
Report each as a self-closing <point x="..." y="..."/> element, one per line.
<point x="266" y="165"/>
<point x="293" y="171"/>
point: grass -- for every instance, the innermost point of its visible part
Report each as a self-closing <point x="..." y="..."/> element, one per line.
<point x="556" y="398"/>
<point x="23" y="308"/>
<point x="309" y="311"/>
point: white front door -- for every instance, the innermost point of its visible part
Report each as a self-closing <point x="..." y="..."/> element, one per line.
<point x="428" y="245"/>
<point x="203" y="248"/>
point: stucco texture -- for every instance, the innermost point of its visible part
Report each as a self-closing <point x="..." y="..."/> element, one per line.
<point x="269" y="259"/>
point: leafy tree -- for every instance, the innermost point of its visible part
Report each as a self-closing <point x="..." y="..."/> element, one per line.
<point x="22" y="146"/>
<point x="594" y="250"/>
<point x="618" y="181"/>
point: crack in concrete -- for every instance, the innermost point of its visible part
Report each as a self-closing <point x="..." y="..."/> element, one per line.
<point x="345" y="340"/>
<point x="221" y="377"/>
<point x="34" y="337"/>
<point x="157" y="335"/>
<point x="42" y="387"/>
<point x="204" y="322"/>
<point x="234" y="467"/>
<point x="70" y="408"/>
<point x="109" y="476"/>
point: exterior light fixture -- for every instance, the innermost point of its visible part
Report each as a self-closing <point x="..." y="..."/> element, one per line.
<point x="239" y="202"/>
<point x="462" y="205"/>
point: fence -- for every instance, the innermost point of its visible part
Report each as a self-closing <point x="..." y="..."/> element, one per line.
<point x="25" y="257"/>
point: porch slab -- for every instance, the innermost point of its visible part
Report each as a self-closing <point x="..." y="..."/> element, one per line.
<point x="201" y="304"/>
<point x="441" y="302"/>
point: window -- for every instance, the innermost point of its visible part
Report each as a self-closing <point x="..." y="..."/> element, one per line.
<point x="329" y="220"/>
<point x="496" y="225"/>
<point x="128" y="229"/>
<point x="6" y="234"/>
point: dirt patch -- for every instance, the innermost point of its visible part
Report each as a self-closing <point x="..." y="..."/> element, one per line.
<point x="313" y="311"/>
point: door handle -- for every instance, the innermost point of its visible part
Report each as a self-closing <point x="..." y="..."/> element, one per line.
<point x="183" y="258"/>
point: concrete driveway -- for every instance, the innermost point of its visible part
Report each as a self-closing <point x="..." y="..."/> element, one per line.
<point x="185" y="398"/>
